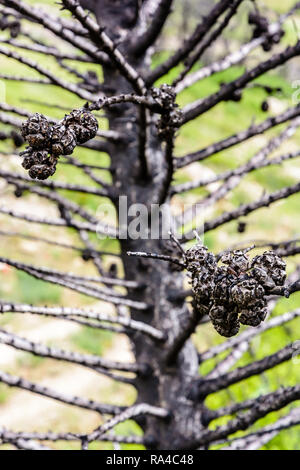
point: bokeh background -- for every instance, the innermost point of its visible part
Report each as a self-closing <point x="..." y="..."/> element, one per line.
<point x="19" y="410"/>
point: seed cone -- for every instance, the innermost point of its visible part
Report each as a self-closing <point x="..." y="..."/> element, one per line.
<point x="235" y="292"/>
<point x="83" y="124"/>
<point x="63" y="141"/>
<point x="37" y="131"/>
<point x="48" y="142"/>
<point x="40" y="164"/>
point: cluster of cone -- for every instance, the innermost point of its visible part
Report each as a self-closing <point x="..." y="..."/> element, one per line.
<point x="47" y="142"/>
<point x="235" y="291"/>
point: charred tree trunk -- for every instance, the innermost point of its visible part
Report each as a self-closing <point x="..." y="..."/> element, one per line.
<point x="162" y="384"/>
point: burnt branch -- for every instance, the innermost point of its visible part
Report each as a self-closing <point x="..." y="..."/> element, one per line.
<point x="42" y="350"/>
<point x="246" y="209"/>
<point x="196" y="109"/>
<point x="66" y="312"/>
<point x="233" y="58"/>
<point x="46" y="73"/>
<point x="255" y="163"/>
<point x="190" y="43"/>
<point x="142" y="42"/>
<point x="242" y="422"/>
<point x="71" y="282"/>
<point x="66" y="31"/>
<point x="207" y="42"/>
<point x="100" y="37"/>
<point x="242" y="373"/>
<point x="249" y="334"/>
<point x="18" y="382"/>
<point x="256" y="440"/>
<point x="11" y="436"/>
<point x="240" y="137"/>
<point x="130" y="413"/>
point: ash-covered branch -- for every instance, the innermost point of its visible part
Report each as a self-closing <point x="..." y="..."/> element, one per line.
<point x="130" y="413"/>
<point x="63" y="280"/>
<point x="257" y="439"/>
<point x="258" y="161"/>
<point x="61" y="28"/>
<point x="55" y="184"/>
<point x="230" y="360"/>
<point x="7" y="435"/>
<point x="207" y="42"/>
<point x="59" y="222"/>
<point x="18" y="382"/>
<point x="99" y="36"/>
<point x="233" y="58"/>
<point x="71" y="87"/>
<point x="246" y="209"/>
<point x="249" y="334"/>
<point x="244" y="421"/>
<point x="38" y="349"/>
<point x="48" y="51"/>
<point x="67" y="312"/>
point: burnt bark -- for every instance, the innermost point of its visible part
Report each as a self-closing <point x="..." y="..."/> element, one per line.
<point x="162" y="385"/>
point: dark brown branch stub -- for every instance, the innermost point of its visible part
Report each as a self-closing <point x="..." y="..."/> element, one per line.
<point x="243" y="421"/>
